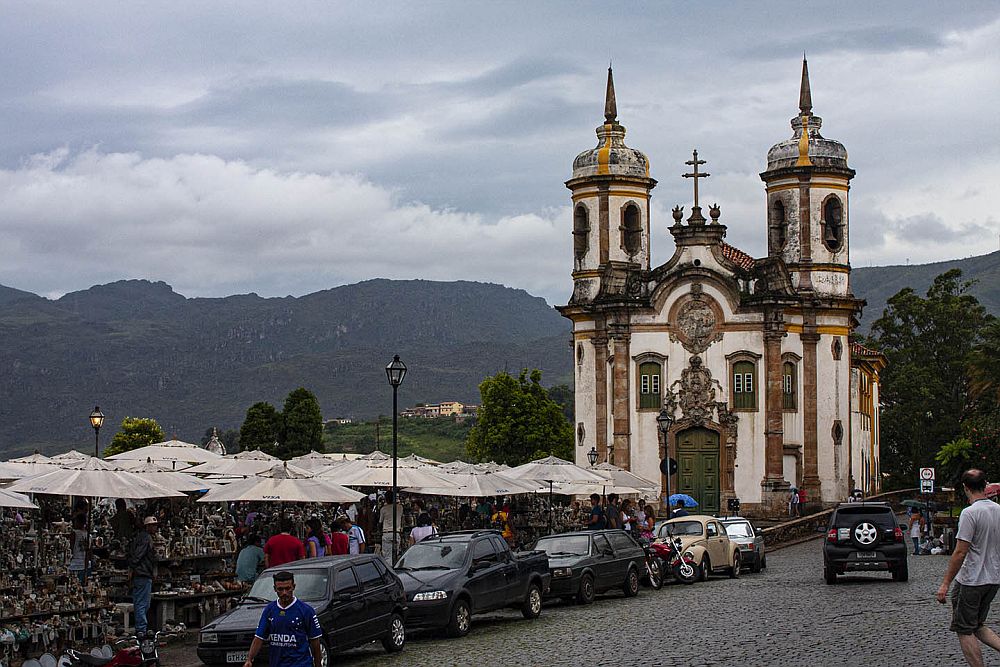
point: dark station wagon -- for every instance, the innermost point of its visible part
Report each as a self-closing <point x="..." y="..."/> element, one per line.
<point x="357" y="599"/>
<point x="593" y="561"/>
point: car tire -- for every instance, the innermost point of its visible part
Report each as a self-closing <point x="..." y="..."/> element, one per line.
<point x="631" y="586"/>
<point x="532" y="605"/>
<point x="734" y="569"/>
<point x="830" y="576"/>
<point x="763" y="562"/>
<point x="395" y="639"/>
<point x="901" y="572"/>
<point x="758" y="563"/>
<point x="461" y="619"/>
<point x="586" y="593"/>
<point x="705" y="567"/>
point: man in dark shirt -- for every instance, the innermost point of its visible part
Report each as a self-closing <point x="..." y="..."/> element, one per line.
<point x="142" y="564"/>
<point x="597" y="521"/>
<point x="612" y="515"/>
<point x="679" y="510"/>
<point x="283" y="548"/>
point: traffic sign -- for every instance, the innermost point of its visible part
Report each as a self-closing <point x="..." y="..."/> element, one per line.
<point x="927" y="486"/>
<point x="927" y="473"/>
<point x="668" y="466"/>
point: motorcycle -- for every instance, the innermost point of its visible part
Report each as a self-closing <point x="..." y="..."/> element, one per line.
<point x="681" y="566"/>
<point x="129" y="652"/>
<point x="654" y="573"/>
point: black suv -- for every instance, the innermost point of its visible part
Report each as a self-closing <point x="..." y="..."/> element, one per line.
<point x="357" y="599"/>
<point x="863" y="537"/>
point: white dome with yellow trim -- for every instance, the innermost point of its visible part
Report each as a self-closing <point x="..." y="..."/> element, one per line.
<point x="611" y="156"/>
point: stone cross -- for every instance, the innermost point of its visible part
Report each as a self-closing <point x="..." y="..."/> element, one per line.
<point x="695" y="174"/>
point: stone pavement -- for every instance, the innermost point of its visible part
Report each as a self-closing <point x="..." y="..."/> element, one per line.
<point x="785" y="616"/>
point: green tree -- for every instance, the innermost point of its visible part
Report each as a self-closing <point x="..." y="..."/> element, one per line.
<point x="955" y="457"/>
<point x="564" y="396"/>
<point x="928" y="343"/>
<point x="261" y="428"/>
<point x="302" y="424"/>
<point x="518" y="421"/>
<point x="135" y="432"/>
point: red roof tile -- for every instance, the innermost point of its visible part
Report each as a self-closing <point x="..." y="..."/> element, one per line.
<point x="737" y="256"/>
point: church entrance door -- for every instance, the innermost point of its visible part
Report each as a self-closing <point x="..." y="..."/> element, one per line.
<point x="698" y="467"/>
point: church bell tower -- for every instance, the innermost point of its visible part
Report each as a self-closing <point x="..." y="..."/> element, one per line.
<point x="807" y="182"/>
<point x="611" y="190"/>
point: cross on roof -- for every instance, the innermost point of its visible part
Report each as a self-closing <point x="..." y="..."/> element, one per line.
<point x="695" y="174"/>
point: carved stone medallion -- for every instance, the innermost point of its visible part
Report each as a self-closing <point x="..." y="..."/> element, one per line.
<point x="696" y="397"/>
<point x="697" y="325"/>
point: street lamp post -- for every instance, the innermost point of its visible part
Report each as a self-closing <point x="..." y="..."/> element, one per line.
<point x="664" y="421"/>
<point x="96" y="419"/>
<point x="395" y="371"/>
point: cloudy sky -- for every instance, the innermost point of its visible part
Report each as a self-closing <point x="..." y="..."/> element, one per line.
<point x="283" y="148"/>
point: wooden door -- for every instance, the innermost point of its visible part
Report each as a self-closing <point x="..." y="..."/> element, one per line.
<point x="698" y="468"/>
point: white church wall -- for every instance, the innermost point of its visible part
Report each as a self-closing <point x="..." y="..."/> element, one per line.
<point x="584" y="394"/>
<point x="833" y="403"/>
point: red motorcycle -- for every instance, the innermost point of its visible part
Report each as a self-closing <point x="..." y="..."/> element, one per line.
<point x="131" y="652"/>
<point x="679" y="564"/>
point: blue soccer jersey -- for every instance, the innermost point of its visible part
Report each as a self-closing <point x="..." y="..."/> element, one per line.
<point x="287" y="632"/>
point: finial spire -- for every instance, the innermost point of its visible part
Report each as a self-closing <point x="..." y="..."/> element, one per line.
<point x="805" y="94"/>
<point x="610" y="106"/>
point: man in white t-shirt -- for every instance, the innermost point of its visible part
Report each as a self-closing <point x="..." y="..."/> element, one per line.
<point x="385" y="521"/>
<point x="975" y="568"/>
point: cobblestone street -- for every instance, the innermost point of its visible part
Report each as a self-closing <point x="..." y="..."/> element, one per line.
<point x="784" y="616"/>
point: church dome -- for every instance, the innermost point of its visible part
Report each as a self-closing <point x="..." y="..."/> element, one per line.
<point x="822" y="152"/>
<point x="807" y="147"/>
<point x="611" y="155"/>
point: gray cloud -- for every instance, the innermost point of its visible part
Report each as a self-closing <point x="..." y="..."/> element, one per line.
<point x="180" y="139"/>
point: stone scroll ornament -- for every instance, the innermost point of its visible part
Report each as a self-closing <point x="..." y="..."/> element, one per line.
<point x="696" y="392"/>
<point x="697" y="326"/>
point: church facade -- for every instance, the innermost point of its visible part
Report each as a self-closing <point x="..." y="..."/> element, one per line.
<point x="741" y="369"/>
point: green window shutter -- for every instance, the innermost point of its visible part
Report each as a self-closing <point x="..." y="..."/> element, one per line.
<point x="744" y="394"/>
<point x="649" y="385"/>
<point x="788" y="385"/>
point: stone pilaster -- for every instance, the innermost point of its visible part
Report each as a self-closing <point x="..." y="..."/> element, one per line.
<point x="601" y="394"/>
<point x="810" y="414"/>
<point x="774" y="485"/>
<point x="805" y="235"/>
<point x="621" y="401"/>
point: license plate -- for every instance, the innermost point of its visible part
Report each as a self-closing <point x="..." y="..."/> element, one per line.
<point x="866" y="555"/>
<point x="236" y="657"/>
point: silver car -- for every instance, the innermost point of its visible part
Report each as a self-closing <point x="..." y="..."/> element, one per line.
<point x="750" y="541"/>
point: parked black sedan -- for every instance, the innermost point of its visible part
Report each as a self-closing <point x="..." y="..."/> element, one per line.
<point x="357" y="599"/>
<point x="593" y="561"/>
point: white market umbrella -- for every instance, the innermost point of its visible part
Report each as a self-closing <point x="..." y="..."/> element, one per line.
<point x="174" y="453"/>
<point x="232" y="467"/>
<point x="553" y="469"/>
<point x="22" y="470"/>
<point x="16" y="500"/>
<point x="568" y="489"/>
<point x="172" y="479"/>
<point x="623" y="478"/>
<point x="94" y="478"/>
<point x="71" y="455"/>
<point x="314" y="461"/>
<point x="379" y="474"/>
<point x="252" y="455"/>
<point x="283" y="483"/>
<point x="32" y="458"/>
<point x="480" y="484"/>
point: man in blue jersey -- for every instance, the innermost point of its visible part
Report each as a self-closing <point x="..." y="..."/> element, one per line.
<point x="290" y="628"/>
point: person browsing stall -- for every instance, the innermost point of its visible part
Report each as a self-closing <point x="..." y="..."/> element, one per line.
<point x="290" y="628"/>
<point x="283" y="548"/>
<point x="142" y="566"/>
<point x="249" y="560"/>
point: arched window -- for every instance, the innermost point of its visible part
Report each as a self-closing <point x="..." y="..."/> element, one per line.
<point x="581" y="231"/>
<point x="833" y="224"/>
<point x="631" y="229"/>
<point x="744" y="385"/>
<point x="650" y="381"/>
<point x="789" y="385"/>
<point x="779" y="226"/>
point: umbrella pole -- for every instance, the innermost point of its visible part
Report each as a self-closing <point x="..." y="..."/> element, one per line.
<point x="550" y="507"/>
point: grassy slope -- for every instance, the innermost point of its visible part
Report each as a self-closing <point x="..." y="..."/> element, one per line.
<point x="441" y="439"/>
